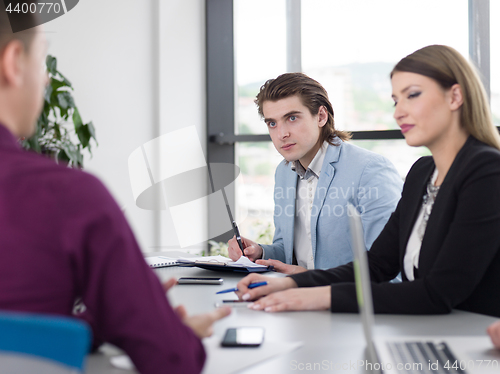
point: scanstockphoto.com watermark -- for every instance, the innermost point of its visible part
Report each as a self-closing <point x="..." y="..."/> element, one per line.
<point x="332" y="193"/>
<point x="434" y="366"/>
<point x="42" y="11"/>
<point x="329" y="210"/>
<point x="335" y="201"/>
<point x="327" y="365"/>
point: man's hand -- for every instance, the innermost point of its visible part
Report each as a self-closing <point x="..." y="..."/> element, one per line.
<point x="202" y="324"/>
<point x="494" y="333"/>
<point x="273" y="285"/>
<point x="252" y="250"/>
<point x="169" y="284"/>
<point x="281" y="267"/>
<point x="310" y="298"/>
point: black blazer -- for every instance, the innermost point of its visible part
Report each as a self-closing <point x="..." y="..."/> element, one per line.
<point x="459" y="264"/>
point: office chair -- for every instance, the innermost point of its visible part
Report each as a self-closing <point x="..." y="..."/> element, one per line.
<point x="36" y="343"/>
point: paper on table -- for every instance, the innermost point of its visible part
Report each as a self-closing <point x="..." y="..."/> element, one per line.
<point x="222" y="360"/>
<point x="242" y="261"/>
<point x="218" y="258"/>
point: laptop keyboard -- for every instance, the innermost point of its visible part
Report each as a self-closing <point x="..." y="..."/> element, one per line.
<point x="424" y="357"/>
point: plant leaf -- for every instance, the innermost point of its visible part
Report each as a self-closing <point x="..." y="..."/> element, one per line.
<point x="51" y="64"/>
<point x="56" y="84"/>
<point x="70" y="150"/>
<point x="65" y="80"/>
<point x="52" y="132"/>
<point x="77" y="119"/>
<point x="48" y="93"/>
<point x="63" y="155"/>
<point x="84" y="135"/>
<point x="92" y="130"/>
<point x="57" y="131"/>
<point x="65" y="100"/>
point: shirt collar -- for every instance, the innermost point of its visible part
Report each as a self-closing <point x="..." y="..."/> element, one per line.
<point x="7" y="139"/>
<point x="315" y="166"/>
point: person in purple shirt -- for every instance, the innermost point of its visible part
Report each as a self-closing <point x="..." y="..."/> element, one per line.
<point x="63" y="237"/>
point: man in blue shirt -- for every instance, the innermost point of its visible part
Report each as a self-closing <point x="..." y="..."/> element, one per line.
<point x="321" y="172"/>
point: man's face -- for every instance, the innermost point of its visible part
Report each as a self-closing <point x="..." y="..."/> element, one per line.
<point x="294" y="130"/>
<point x="34" y="82"/>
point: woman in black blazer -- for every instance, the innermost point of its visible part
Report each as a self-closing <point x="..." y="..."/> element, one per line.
<point x="444" y="236"/>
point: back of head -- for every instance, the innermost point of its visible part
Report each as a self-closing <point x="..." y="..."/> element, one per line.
<point x="17" y="26"/>
<point x="312" y="95"/>
<point x="448" y="67"/>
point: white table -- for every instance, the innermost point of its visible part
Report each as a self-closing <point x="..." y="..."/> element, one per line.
<point x="328" y="339"/>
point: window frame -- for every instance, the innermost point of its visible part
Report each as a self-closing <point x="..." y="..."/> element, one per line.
<point x="221" y="80"/>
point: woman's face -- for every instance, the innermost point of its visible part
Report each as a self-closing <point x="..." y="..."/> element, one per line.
<point x="424" y="110"/>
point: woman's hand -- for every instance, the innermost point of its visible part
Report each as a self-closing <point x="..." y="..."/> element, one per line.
<point x="273" y="285"/>
<point x="494" y="333"/>
<point x="309" y="298"/>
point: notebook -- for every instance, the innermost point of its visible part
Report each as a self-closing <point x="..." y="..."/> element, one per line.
<point x="417" y="354"/>
<point x="220" y="263"/>
<point x="160" y="261"/>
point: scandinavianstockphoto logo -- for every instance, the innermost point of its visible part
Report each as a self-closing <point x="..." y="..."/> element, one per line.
<point x="45" y="11"/>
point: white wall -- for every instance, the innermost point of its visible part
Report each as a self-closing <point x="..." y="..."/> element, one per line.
<point x="137" y="67"/>
<point x="183" y="85"/>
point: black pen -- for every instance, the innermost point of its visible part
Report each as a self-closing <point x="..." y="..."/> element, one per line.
<point x="231" y="219"/>
<point x="238" y="237"/>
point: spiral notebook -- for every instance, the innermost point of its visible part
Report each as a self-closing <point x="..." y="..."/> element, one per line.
<point x="161" y="261"/>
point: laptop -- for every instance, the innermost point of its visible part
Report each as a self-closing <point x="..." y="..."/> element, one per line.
<point x="417" y="354"/>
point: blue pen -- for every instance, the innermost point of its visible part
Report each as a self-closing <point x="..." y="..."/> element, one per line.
<point x="252" y="285"/>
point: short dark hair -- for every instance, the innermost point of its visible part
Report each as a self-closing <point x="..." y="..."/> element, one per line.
<point x="311" y="93"/>
<point x="13" y="21"/>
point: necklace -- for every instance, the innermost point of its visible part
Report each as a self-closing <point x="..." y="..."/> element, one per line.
<point x="427" y="204"/>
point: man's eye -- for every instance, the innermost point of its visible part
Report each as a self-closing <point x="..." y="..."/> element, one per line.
<point x="293" y="118"/>
<point x="271" y="124"/>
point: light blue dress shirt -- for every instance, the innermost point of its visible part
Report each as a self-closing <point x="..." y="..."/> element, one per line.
<point x="349" y="174"/>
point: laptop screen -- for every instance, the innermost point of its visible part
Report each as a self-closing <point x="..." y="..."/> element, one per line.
<point x="362" y="278"/>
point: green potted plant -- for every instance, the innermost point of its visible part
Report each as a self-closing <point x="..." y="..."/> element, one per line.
<point x="60" y="131"/>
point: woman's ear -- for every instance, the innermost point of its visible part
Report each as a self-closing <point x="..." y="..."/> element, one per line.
<point x="456" y="97"/>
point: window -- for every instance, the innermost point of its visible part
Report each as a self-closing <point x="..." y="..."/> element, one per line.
<point x="495" y="60"/>
<point x="260" y="54"/>
<point x="351" y="46"/>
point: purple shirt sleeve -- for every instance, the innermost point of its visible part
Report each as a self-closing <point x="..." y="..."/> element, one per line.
<point x="62" y="237"/>
<point x="125" y="301"/>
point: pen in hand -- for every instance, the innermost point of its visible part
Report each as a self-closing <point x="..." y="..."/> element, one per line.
<point x="251" y="285"/>
<point x="238" y="237"/>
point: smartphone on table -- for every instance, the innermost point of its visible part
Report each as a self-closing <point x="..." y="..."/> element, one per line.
<point x="200" y="280"/>
<point x="243" y="337"/>
<point x="233" y="303"/>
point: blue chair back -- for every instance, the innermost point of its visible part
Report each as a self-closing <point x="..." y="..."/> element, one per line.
<point x="65" y="340"/>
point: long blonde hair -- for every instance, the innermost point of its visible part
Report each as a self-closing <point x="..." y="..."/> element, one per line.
<point x="448" y="67"/>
